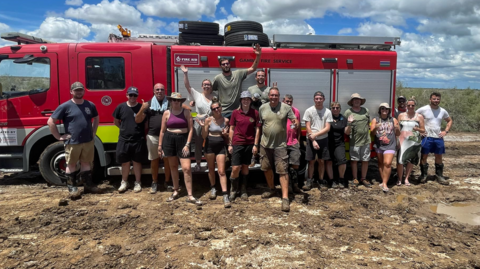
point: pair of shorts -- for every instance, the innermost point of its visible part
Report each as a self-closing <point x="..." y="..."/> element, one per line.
<point x="242" y="155"/>
<point x="338" y="154"/>
<point x="131" y="151"/>
<point x="84" y="152"/>
<point x="381" y="151"/>
<point x="433" y="145"/>
<point x="294" y="154"/>
<point x="322" y="153"/>
<point x="361" y="153"/>
<point x="274" y="157"/>
<point x="173" y="144"/>
<point x="152" y="146"/>
<point x="215" y="145"/>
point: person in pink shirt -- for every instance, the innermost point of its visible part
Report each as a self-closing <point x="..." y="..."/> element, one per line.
<point x="293" y="144"/>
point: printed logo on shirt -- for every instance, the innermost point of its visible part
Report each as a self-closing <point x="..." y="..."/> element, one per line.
<point x="251" y="120"/>
<point x="87" y="110"/>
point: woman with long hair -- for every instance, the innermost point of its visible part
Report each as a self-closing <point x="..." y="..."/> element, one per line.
<point x="386" y="130"/>
<point x="174" y="143"/>
<point x="202" y="103"/>
<point x="412" y="125"/>
<point x="215" y="131"/>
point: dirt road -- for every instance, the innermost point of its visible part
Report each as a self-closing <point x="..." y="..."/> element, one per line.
<point x="354" y="228"/>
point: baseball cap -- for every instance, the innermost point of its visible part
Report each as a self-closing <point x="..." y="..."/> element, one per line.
<point x="132" y="90"/>
<point x="401" y="97"/>
<point x="77" y="85"/>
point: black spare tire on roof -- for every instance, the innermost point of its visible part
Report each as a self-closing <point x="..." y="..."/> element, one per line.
<point x="200" y="39"/>
<point x="198" y="27"/>
<point x="247" y="38"/>
<point x="242" y="26"/>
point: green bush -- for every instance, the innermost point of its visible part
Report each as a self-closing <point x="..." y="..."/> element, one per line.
<point x="462" y="105"/>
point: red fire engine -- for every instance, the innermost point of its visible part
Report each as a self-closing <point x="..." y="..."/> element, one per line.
<point x="35" y="77"/>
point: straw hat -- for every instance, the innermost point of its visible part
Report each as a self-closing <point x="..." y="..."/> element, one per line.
<point x="356" y="96"/>
<point x="176" y="96"/>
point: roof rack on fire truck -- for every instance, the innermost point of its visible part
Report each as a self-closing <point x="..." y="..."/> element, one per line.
<point x="23" y="38"/>
<point x="334" y="42"/>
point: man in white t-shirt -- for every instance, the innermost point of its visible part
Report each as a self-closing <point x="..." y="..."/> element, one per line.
<point x="432" y="141"/>
<point x="317" y="122"/>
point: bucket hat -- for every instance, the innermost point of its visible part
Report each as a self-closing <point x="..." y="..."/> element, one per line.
<point x="356" y="96"/>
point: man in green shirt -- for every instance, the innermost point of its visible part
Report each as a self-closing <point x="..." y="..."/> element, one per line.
<point x="259" y="92"/>
<point x="229" y="83"/>
<point x="358" y="119"/>
<point x="273" y="145"/>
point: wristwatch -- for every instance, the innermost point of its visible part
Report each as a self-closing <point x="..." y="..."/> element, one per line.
<point x="446" y="131"/>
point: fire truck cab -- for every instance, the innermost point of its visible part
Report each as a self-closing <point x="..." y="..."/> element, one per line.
<point x="35" y="77"/>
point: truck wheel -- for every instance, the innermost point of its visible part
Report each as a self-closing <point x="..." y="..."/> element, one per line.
<point x="184" y="39"/>
<point x="198" y="27"/>
<point x="242" y="26"/>
<point x="52" y="163"/>
<point x="247" y="38"/>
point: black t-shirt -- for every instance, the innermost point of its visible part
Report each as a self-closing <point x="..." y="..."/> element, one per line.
<point x="129" y="130"/>
<point x="337" y="130"/>
<point x="154" y="119"/>
<point x="77" y="120"/>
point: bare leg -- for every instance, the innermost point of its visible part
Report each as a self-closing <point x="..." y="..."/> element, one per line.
<point x="284" y="184"/>
<point x="341" y="170"/>
<point x="84" y="166"/>
<point x="198" y="148"/>
<point x="269" y="177"/>
<point x="409" y="171"/>
<point x="173" y="163"/>
<point x="438" y="159"/>
<point x="221" y="171"/>
<point x="211" y="167"/>
<point x="400" y="173"/>
<point x="329" y="166"/>
<point x="137" y="170"/>
<point x="245" y="170"/>
<point x="125" y="171"/>
<point x="387" y="168"/>
<point x="167" y="169"/>
<point x="311" y="169"/>
<point x="154" y="169"/>
<point x="236" y="171"/>
<point x="424" y="159"/>
<point x="364" y="169"/>
<point x="354" y="169"/>
<point x="187" y="174"/>
<point x="321" y="169"/>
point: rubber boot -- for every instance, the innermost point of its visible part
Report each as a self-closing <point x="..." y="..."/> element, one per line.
<point x="294" y="180"/>
<point x="424" y="172"/>
<point x="89" y="187"/>
<point x="439" y="174"/>
<point x="244" y="187"/>
<point x="233" y="188"/>
<point x="308" y="184"/>
<point x="73" y="192"/>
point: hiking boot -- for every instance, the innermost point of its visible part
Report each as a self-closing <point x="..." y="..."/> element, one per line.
<point x="269" y="194"/>
<point x="322" y="185"/>
<point x="213" y="194"/>
<point x="226" y="201"/>
<point x="342" y="183"/>
<point x="439" y="174"/>
<point x="296" y="189"/>
<point x="89" y="187"/>
<point x="154" y="188"/>
<point x="123" y="186"/>
<point x="168" y="186"/>
<point x="335" y="184"/>
<point x="308" y="184"/>
<point x="243" y="190"/>
<point x="233" y="188"/>
<point x="365" y="183"/>
<point x="137" y="187"/>
<point x="285" y="205"/>
<point x="73" y="192"/>
<point x="424" y="173"/>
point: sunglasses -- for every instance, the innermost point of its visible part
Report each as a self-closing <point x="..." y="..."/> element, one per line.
<point x="410" y="105"/>
<point x="159" y="90"/>
<point x="132" y="95"/>
<point x="215" y="108"/>
<point x="207" y="85"/>
<point x="176" y="100"/>
<point x="225" y="64"/>
<point x="335" y="108"/>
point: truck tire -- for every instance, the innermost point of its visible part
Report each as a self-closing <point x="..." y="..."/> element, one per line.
<point x="52" y="164"/>
<point x="184" y="39"/>
<point x="242" y="26"/>
<point x="247" y="38"/>
<point x="198" y="27"/>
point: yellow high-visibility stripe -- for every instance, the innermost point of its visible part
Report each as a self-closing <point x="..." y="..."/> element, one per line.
<point x="108" y="133"/>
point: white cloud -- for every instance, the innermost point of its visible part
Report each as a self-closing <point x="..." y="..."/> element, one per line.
<point x="222" y="22"/>
<point x="378" y="29"/>
<point x="344" y="31"/>
<point x="189" y="9"/>
<point x="73" y="2"/>
<point x="102" y="31"/>
<point x="172" y="27"/>
<point x="61" y="30"/>
<point x="106" y="12"/>
<point x="286" y="26"/>
<point x="223" y="11"/>
<point x="4" y="27"/>
<point x="443" y="27"/>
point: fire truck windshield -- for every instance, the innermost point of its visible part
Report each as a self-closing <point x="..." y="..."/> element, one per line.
<point x="19" y="79"/>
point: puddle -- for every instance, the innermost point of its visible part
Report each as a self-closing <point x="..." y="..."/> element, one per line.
<point x="401" y="198"/>
<point x="461" y="212"/>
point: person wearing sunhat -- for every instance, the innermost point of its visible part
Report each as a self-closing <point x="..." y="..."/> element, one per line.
<point x="131" y="146"/>
<point x="358" y="119"/>
<point x="174" y="142"/>
<point x="386" y="130"/>
<point x="80" y="118"/>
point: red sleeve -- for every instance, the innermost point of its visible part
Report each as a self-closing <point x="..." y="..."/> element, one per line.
<point x="233" y="119"/>
<point x="257" y="119"/>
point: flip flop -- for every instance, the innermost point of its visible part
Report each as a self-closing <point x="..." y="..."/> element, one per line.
<point x="407" y="183"/>
<point x="173" y="196"/>
<point x="385" y="189"/>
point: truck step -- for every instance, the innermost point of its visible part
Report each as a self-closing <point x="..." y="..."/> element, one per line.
<point x="11" y="155"/>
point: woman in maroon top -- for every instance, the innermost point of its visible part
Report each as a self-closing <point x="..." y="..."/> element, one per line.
<point x="244" y="142"/>
<point x="175" y="136"/>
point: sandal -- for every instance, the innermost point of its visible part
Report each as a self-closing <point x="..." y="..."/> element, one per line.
<point x="407" y="183"/>
<point x="173" y="196"/>
<point x="194" y="201"/>
<point x="385" y="189"/>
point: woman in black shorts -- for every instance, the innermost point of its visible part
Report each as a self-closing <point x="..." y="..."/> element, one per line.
<point x="336" y="145"/>
<point x="174" y="142"/>
<point x="214" y="131"/>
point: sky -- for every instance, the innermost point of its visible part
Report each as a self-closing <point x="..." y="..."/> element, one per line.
<point x="440" y="38"/>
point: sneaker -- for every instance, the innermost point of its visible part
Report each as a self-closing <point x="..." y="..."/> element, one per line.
<point x="154" y="188"/>
<point x="322" y="184"/>
<point x="285" y="205"/>
<point x="226" y="201"/>
<point x="213" y="194"/>
<point x="365" y="183"/>
<point x="168" y="186"/>
<point x="269" y="194"/>
<point x="137" y="187"/>
<point x="308" y="184"/>
<point x="123" y="186"/>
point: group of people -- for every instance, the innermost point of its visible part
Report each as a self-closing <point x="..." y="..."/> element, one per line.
<point x="239" y="125"/>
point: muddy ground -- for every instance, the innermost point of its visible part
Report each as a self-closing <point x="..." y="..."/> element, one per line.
<point x="352" y="228"/>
